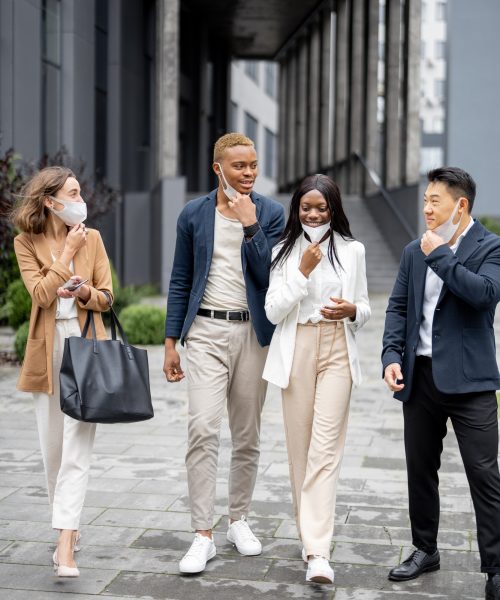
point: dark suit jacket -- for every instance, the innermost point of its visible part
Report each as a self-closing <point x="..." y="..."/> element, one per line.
<point x="463" y="339"/>
<point x="193" y="257"/>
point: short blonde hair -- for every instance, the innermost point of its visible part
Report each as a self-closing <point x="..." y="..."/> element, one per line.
<point x="229" y="140"/>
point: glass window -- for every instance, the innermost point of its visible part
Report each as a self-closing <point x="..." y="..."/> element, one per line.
<point x="441" y="11"/>
<point x="251" y="126"/>
<point x="439" y="88"/>
<point x="234" y="116"/>
<point x="424" y="11"/>
<point x="270" y="84"/>
<point x="440" y="49"/>
<point x="252" y="70"/>
<point x="269" y="155"/>
<point x="51" y="76"/>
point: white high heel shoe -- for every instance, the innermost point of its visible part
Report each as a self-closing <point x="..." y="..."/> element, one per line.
<point x="63" y="570"/>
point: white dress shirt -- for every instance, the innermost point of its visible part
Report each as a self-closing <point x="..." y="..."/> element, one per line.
<point x="323" y="283"/>
<point x="433" y="287"/>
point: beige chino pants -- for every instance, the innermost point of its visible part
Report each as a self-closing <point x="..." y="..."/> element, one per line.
<point x="224" y="367"/>
<point x="66" y="444"/>
<point x="315" y="410"/>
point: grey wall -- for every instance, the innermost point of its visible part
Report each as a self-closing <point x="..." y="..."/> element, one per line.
<point x="20" y="72"/>
<point x="473" y="115"/>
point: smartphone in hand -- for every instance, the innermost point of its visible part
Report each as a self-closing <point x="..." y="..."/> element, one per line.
<point x="71" y="286"/>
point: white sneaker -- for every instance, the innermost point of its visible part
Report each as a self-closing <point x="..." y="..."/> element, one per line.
<point x="240" y="534"/>
<point x="319" y="570"/>
<point x="201" y="551"/>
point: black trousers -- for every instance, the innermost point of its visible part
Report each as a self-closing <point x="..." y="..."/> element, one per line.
<point x="475" y="421"/>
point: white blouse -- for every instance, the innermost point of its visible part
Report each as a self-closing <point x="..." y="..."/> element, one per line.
<point x="323" y="283"/>
<point x="66" y="307"/>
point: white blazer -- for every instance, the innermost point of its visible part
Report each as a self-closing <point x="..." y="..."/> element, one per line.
<point x="287" y="287"/>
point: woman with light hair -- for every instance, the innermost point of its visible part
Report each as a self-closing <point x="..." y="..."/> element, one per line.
<point x="65" y="269"/>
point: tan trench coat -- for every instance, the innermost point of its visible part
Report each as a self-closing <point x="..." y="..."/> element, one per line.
<point x="42" y="276"/>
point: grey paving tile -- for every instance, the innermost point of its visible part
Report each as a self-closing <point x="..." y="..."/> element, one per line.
<point x="39" y="512"/>
<point x="366" y="554"/>
<point x="33" y="577"/>
<point x="142" y="529"/>
<point x="145" y="519"/>
<point x="194" y="588"/>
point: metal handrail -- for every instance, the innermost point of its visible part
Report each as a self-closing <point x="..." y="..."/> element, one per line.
<point x="377" y="181"/>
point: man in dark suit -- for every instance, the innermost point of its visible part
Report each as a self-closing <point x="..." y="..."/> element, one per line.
<point x="215" y="307"/>
<point x="439" y="359"/>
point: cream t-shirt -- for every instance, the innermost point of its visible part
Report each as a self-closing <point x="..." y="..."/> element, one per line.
<point x="226" y="288"/>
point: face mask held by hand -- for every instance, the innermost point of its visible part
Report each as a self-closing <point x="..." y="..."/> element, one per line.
<point x="72" y="214"/>
<point x="316" y="233"/>
<point x="448" y="229"/>
<point x="230" y="192"/>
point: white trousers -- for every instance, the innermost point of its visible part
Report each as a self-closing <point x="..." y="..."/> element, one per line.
<point x="66" y="444"/>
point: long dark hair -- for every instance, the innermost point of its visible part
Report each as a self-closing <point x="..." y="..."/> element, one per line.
<point x="293" y="228"/>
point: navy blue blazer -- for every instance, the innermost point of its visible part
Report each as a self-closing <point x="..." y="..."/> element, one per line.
<point x="463" y="339"/>
<point x="193" y="257"/>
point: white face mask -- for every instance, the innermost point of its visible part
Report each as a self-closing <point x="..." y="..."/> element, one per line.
<point x="316" y="233"/>
<point x="72" y="214"/>
<point x="448" y="229"/>
<point x="228" y="190"/>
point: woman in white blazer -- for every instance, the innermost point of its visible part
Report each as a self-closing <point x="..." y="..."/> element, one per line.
<point x="318" y="299"/>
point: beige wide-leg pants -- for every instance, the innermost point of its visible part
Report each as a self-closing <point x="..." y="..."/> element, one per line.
<point x="315" y="410"/>
<point x="66" y="444"/>
<point x="224" y="367"/>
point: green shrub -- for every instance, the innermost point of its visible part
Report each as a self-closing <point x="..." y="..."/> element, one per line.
<point x="8" y="273"/>
<point x="126" y="295"/>
<point x="491" y="223"/>
<point x="143" y="324"/>
<point x="18" y="305"/>
<point x="20" y="341"/>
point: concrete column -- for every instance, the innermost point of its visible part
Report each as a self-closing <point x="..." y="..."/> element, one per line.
<point x="77" y="71"/>
<point x="313" y="96"/>
<point x="291" y="116"/>
<point x="357" y="121"/>
<point x="326" y="83"/>
<point x="341" y="146"/>
<point x="283" y="131"/>
<point x="302" y="109"/>
<point x="412" y="91"/>
<point x="167" y="86"/>
<point x="393" y="95"/>
<point x="372" y="136"/>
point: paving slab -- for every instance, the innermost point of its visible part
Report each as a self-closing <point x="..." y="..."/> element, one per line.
<point x="136" y="523"/>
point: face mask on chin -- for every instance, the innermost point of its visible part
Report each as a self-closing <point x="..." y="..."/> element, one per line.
<point x="73" y="213"/>
<point x="230" y="192"/>
<point x="448" y="229"/>
<point x="316" y="233"/>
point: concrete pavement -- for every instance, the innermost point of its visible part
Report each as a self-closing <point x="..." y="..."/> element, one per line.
<point x="136" y="524"/>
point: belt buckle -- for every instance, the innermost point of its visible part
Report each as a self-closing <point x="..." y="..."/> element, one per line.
<point x="212" y="314"/>
<point x="227" y="315"/>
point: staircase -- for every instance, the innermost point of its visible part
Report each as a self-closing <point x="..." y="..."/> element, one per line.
<point x="381" y="264"/>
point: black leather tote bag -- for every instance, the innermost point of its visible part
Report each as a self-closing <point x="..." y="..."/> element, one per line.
<point x="105" y="381"/>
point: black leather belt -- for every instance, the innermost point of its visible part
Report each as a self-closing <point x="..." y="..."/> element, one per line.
<point x="227" y="315"/>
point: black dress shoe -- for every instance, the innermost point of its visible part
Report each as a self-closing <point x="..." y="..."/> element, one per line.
<point x="417" y="563"/>
<point x="492" y="591"/>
